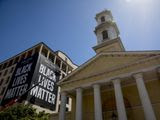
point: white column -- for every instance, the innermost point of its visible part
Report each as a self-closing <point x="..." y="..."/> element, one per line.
<point x="79" y="104"/>
<point x="61" y="65"/>
<point x="146" y="103"/>
<point x="48" y="53"/>
<point x="63" y="106"/>
<point x="55" y="59"/>
<point x="40" y="50"/>
<point x="97" y="102"/>
<point x="119" y="100"/>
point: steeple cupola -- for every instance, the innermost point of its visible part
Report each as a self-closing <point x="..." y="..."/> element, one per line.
<point x="107" y="33"/>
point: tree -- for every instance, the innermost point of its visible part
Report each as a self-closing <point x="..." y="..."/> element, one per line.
<point x="22" y="112"/>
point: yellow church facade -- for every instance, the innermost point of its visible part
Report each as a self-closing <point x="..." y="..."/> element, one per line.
<point x="115" y="84"/>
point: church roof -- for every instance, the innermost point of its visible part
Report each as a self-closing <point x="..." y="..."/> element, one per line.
<point x="110" y="61"/>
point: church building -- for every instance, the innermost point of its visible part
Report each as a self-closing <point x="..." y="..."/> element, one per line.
<point x="115" y="84"/>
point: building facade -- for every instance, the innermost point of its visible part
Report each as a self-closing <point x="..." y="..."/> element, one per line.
<point x="115" y="84"/>
<point x="57" y="58"/>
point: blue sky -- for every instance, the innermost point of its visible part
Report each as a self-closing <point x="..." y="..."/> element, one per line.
<point x="68" y="25"/>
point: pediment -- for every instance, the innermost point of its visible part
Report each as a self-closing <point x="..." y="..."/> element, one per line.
<point x="105" y="61"/>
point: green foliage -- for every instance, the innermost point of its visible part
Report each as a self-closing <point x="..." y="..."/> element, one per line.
<point x="22" y="112"/>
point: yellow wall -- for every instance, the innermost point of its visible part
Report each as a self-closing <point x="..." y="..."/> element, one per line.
<point x="153" y="88"/>
<point x="132" y="102"/>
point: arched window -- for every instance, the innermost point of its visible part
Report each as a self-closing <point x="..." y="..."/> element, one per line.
<point x="102" y="19"/>
<point x="105" y="34"/>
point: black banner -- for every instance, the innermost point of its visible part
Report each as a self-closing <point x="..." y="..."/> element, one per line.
<point x="44" y="91"/>
<point x="21" y="79"/>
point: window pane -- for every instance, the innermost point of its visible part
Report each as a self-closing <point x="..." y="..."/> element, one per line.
<point x="1" y="81"/>
<point x="3" y="89"/>
<point x="5" y="72"/>
<point x="102" y="19"/>
<point x="105" y="34"/>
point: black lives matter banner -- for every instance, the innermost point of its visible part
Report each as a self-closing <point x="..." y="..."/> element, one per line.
<point x="44" y="91"/>
<point x="34" y="79"/>
<point x="21" y="79"/>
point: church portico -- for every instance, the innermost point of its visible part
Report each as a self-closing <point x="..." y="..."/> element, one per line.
<point x="115" y="84"/>
<point x="92" y="102"/>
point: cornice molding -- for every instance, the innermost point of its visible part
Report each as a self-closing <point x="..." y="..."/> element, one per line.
<point x="113" y="54"/>
<point x="104" y="11"/>
<point x="107" y="23"/>
<point x="105" y="43"/>
<point x="143" y="61"/>
<point x="138" y="75"/>
<point x="108" y="80"/>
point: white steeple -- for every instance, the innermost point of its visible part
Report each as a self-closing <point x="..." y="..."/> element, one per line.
<point x="107" y="32"/>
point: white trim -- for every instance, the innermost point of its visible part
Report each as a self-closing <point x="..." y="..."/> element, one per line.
<point x="110" y="54"/>
<point x="102" y="81"/>
<point x="116" y="69"/>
